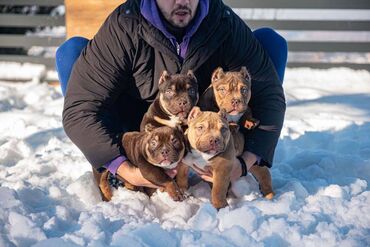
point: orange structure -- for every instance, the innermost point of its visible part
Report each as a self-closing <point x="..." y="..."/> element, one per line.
<point x="84" y="18"/>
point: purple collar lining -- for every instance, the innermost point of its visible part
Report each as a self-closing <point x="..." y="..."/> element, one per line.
<point x="150" y="11"/>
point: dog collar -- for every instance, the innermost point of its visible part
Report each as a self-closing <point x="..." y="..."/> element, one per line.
<point x="234" y="118"/>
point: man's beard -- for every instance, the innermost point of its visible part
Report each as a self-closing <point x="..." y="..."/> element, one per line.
<point x="183" y="23"/>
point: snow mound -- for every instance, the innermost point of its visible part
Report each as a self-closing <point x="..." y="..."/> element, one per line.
<point x="321" y="178"/>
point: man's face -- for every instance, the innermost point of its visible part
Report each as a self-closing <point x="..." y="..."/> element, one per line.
<point x="178" y="12"/>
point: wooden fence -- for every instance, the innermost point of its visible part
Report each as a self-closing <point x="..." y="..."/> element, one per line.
<point x="11" y="22"/>
<point x="308" y="51"/>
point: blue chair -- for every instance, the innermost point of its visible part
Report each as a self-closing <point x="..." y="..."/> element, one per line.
<point x="276" y="47"/>
<point x="67" y="54"/>
<point x="65" y="58"/>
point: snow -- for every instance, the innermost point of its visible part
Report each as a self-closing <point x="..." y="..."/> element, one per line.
<point x="321" y="177"/>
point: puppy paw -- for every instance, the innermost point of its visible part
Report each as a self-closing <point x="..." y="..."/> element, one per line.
<point x="183" y="187"/>
<point x="174" y="191"/>
<point x="218" y="204"/>
<point x="250" y="124"/>
<point x="182" y="177"/>
<point x="103" y="185"/>
<point x="131" y="186"/>
<point x="269" y="196"/>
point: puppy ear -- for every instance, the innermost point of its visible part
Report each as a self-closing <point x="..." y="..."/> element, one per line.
<point x="164" y="77"/>
<point x="217" y="74"/>
<point x="149" y="128"/>
<point x="223" y="113"/>
<point x="244" y="72"/>
<point x="191" y="75"/>
<point x="195" y="111"/>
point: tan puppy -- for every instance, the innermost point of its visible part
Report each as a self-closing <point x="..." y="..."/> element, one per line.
<point x="232" y="91"/>
<point x="212" y="149"/>
<point x="153" y="152"/>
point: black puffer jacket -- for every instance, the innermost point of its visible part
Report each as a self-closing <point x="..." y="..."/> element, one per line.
<point x="115" y="78"/>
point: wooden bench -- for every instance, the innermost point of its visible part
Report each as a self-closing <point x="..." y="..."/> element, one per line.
<point x="83" y="18"/>
<point x="10" y="23"/>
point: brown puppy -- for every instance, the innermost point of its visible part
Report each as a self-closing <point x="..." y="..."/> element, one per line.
<point x="101" y="179"/>
<point x="212" y="149"/>
<point x="153" y="152"/>
<point x="176" y="97"/>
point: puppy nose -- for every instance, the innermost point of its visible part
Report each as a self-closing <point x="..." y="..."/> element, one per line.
<point x="182" y="102"/>
<point x="164" y="153"/>
<point x="214" y="140"/>
<point x="235" y="102"/>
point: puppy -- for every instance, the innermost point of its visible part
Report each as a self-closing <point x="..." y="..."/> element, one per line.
<point x="232" y="91"/>
<point x="176" y="97"/>
<point x="212" y="149"/>
<point x="152" y="151"/>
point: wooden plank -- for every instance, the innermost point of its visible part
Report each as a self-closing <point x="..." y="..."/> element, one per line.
<point x="329" y="46"/>
<point x="49" y="81"/>
<point x="16" y="20"/>
<point x="310" y="25"/>
<point x="328" y="65"/>
<point x="32" y="2"/>
<point x="49" y="62"/>
<point x="84" y="18"/>
<point x="302" y="4"/>
<point x="28" y="41"/>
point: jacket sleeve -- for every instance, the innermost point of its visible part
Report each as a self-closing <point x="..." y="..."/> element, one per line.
<point x="268" y="101"/>
<point x="99" y="76"/>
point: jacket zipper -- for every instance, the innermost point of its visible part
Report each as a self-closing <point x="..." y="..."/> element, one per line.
<point x="178" y="54"/>
<point x="211" y="32"/>
<point x="178" y="48"/>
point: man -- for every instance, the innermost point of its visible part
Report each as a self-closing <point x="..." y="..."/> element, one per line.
<point x="115" y="78"/>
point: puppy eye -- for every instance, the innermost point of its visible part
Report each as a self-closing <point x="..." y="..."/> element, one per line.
<point x="153" y="143"/>
<point x="191" y="91"/>
<point x="221" y="90"/>
<point x="174" y="140"/>
<point x="224" y="130"/>
<point x="200" y="128"/>
<point x="176" y="143"/>
<point x="244" y="90"/>
<point x="169" y="92"/>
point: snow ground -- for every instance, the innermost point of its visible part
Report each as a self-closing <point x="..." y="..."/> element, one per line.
<point x="321" y="176"/>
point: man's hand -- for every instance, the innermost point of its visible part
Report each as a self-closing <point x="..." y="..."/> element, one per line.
<point x="133" y="175"/>
<point x="235" y="173"/>
<point x="249" y="158"/>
